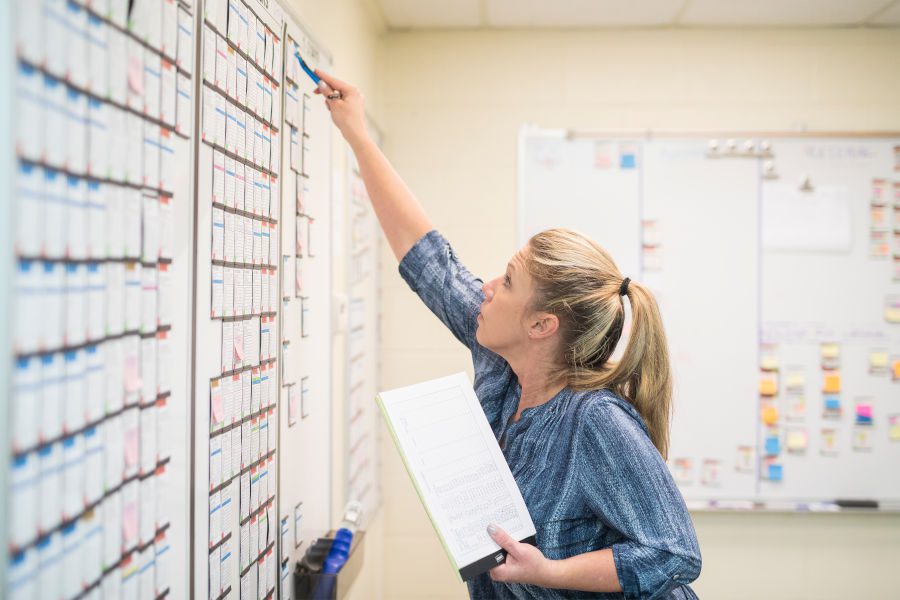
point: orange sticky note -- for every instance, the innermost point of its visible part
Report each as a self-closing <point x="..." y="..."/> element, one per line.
<point x="896" y="369"/>
<point x="768" y="386"/>
<point x="832" y="384"/>
<point x="769" y="415"/>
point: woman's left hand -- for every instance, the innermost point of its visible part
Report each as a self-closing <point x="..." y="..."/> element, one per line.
<point x="524" y="562"/>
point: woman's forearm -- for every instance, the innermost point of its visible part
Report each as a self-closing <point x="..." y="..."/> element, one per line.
<point x="400" y="214"/>
<point x="588" y="572"/>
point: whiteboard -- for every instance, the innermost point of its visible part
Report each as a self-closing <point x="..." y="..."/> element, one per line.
<point x="721" y="265"/>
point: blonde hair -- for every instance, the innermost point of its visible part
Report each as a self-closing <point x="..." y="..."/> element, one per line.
<point x="576" y="280"/>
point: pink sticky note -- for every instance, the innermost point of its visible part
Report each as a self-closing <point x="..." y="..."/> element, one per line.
<point x="218" y="411"/>
<point x="135" y="75"/>
<point x="864" y="410"/>
<point x="131" y="447"/>
<point x="129" y="522"/>
<point x="133" y="380"/>
<point x="239" y="349"/>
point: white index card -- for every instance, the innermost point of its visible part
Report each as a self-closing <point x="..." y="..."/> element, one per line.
<point x="152" y="84"/>
<point x="218" y="192"/>
<point x="185" y="54"/>
<point x="29" y="30"/>
<point x="29" y="228"/>
<point x="229" y="182"/>
<point x="215" y="465"/>
<point x="167" y="93"/>
<point x="76" y="304"/>
<point x="76" y="131"/>
<point x="218" y="292"/>
<point x="183" y="109"/>
<point x="227" y="345"/>
<point x="98" y="56"/>
<point x="229" y="247"/>
<point x="241" y="81"/>
<point x="29" y="102"/>
<point x="238" y="242"/>
<point x="221" y="76"/>
<point x="133" y="210"/>
<point x="210" y="55"/>
<point x="55" y="129"/>
<point x="231" y="74"/>
<point x="229" y="291"/>
<point x="118" y="65"/>
<point x="240" y="187"/>
<point x="55" y="37"/>
<point x="96" y="300"/>
<point x="115" y="298"/>
<point x="218" y="234"/>
<point x="98" y="138"/>
<point x="221" y="120"/>
<point x="169" y="42"/>
<point x="26" y="395"/>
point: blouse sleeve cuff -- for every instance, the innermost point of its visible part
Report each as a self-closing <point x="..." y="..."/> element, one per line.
<point x="625" y="571"/>
<point x="422" y="253"/>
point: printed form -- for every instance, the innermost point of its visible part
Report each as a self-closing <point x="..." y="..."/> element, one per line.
<point x="458" y="469"/>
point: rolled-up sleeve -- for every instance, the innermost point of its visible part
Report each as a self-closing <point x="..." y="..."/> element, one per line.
<point x="626" y="484"/>
<point x="445" y="285"/>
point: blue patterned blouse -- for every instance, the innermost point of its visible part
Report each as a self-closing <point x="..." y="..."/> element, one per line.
<point x="584" y="462"/>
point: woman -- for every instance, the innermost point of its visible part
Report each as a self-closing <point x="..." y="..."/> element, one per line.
<point x="584" y="436"/>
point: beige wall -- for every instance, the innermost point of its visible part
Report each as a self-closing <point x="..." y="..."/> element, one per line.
<point x="452" y="106"/>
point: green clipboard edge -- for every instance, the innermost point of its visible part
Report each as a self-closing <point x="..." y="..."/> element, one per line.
<point x="390" y="426"/>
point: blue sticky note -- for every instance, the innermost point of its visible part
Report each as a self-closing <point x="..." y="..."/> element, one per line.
<point x="773" y="445"/>
<point x="832" y="403"/>
<point x="627" y="161"/>
<point x="774" y="472"/>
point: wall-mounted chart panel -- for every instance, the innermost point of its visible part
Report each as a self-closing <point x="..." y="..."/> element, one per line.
<point x="363" y="441"/>
<point x="306" y="254"/>
<point x="101" y="220"/>
<point x="236" y="361"/>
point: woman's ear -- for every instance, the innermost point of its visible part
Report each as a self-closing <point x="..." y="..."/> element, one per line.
<point x="543" y="325"/>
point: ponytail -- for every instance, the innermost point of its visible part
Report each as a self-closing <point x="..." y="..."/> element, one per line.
<point x="576" y="280"/>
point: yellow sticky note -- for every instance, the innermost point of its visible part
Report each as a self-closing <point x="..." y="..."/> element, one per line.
<point x="768" y="386"/>
<point x="878" y="359"/>
<point x="830" y="350"/>
<point x="832" y="384"/>
<point x="894" y="428"/>
<point x="769" y="363"/>
<point x="797" y="440"/>
<point x="892" y="314"/>
<point x="769" y="415"/>
<point x="795" y="381"/>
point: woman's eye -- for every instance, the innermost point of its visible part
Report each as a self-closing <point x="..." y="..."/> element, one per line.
<point x="506" y="280"/>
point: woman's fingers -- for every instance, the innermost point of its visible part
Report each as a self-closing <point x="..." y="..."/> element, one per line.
<point x="333" y="82"/>
<point x="504" y="540"/>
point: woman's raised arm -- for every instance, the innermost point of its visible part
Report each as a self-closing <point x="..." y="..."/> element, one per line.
<point x="400" y="214"/>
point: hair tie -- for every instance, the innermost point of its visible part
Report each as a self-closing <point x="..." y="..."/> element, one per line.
<point x="623" y="289"/>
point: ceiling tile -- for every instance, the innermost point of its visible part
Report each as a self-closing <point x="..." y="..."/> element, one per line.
<point x="581" y="13"/>
<point x="779" y="13"/>
<point x="431" y="13"/>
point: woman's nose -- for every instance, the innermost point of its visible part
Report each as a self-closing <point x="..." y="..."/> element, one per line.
<point x="488" y="290"/>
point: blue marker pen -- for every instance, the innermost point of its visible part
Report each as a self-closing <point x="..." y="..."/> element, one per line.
<point x="324" y="87"/>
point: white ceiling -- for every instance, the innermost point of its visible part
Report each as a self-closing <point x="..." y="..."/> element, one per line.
<point x="428" y="14"/>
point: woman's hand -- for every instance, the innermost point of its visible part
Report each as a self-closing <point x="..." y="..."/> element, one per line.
<point x="524" y="562"/>
<point x="347" y="112"/>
